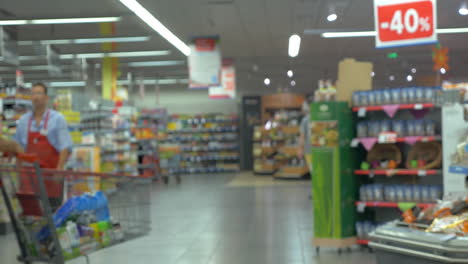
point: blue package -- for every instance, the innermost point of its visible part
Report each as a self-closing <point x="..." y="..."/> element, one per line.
<point x="425" y="194"/>
<point x="362" y="129"/>
<point x="373" y="128"/>
<point x="364" y="98"/>
<point x="411" y="95"/>
<point x="417" y="196"/>
<point x="419" y="128"/>
<point x="408" y="190"/>
<point x="420" y="95"/>
<point x="378" y="191"/>
<point x="400" y="193"/>
<point x="379" y="97"/>
<point x="371" y="97"/>
<point x="356" y="98"/>
<point x="404" y="95"/>
<point x="396" y="98"/>
<point x="387" y="97"/>
<point x="390" y="193"/>
<point x="410" y="128"/>
<point x="399" y="127"/>
<point x="385" y="126"/>
<point x="429" y="94"/>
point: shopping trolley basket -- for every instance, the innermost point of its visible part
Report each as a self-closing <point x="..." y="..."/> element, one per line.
<point x="93" y="210"/>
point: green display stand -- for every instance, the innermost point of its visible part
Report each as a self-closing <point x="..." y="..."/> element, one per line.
<point x="333" y="184"/>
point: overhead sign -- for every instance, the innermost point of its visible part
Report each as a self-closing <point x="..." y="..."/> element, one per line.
<point x="204" y="63"/>
<point x="405" y="22"/>
<point x="53" y="62"/>
<point x="8" y="46"/>
<point x="227" y="89"/>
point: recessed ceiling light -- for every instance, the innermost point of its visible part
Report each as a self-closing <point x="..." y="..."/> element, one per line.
<point x="463" y="11"/>
<point x="443" y="70"/>
<point x="332" y="17"/>
<point x="267" y="81"/>
<point x="293" y="83"/>
<point x="290" y="74"/>
<point x="409" y="78"/>
<point x="413" y="70"/>
<point x="391" y="78"/>
<point x="294" y="45"/>
<point x="372" y="74"/>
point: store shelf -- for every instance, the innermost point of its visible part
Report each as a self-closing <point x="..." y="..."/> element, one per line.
<point x="200" y="158"/>
<point x="390" y="204"/>
<point x="459" y="169"/>
<point x="205" y="130"/>
<point x="208" y="149"/>
<point x="400" y="107"/>
<point x="362" y="242"/>
<point x="398" y="172"/>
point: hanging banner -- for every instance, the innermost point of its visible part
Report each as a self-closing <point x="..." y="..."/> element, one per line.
<point x="8" y="46"/>
<point x="204" y="63"/>
<point x="53" y="62"/>
<point x="405" y="22"/>
<point x="227" y="89"/>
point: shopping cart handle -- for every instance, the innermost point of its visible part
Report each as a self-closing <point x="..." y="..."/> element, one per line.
<point x="27" y="157"/>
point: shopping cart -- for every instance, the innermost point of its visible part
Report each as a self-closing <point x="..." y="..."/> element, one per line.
<point x="93" y="210"/>
<point x="169" y="162"/>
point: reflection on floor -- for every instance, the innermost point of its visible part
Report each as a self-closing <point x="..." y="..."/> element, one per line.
<point x="202" y="221"/>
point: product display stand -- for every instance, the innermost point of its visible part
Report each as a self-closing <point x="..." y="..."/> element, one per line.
<point x="333" y="183"/>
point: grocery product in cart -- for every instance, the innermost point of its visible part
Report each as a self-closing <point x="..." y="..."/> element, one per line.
<point x="84" y="221"/>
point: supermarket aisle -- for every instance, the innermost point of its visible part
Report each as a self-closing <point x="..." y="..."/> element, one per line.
<point x="208" y="220"/>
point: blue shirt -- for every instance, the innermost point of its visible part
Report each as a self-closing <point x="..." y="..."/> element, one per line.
<point x="57" y="129"/>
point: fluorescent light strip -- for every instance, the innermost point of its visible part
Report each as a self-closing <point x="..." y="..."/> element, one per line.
<point x="155" y="24"/>
<point x="120" y="82"/>
<point x="155" y="63"/>
<point x="102" y="55"/>
<point x="59" y="21"/>
<point x="294" y="45"/>
<point x="357" y="34"/>
<point x="82" y="41"/>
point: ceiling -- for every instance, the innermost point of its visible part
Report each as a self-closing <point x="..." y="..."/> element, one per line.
<point x="253" y="32"/>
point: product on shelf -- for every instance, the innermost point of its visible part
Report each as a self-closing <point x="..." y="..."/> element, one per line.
<point x="410" y="95"/>
<point x="400" y="193"/>
<point x="403" y="128"/>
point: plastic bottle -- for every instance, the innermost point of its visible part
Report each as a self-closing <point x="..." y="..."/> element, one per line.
<point x="104" y="232"/>
<point x="73" y="234"/>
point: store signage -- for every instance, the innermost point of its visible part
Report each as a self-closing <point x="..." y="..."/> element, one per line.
<point x="204" y="63"/>
<point x="8" y="46"/>
<point x="53" y="61"/>
<point x="405" y="22"/>
<point x="227" y="89"/>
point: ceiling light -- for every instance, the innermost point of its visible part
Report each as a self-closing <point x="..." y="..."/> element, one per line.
<point x="443" y="70"/>
<point x="409" y="78"/>
<point x="413" y="70"/>
<point x="59" y="21"/>
<point x="82" y="41"/>
<point x="391" y="78"/>
<point x="149" y="19"/>
<point x="267" y="81"/>
<point x="290" y="74"/>
<point x="293" y="83"/>
<point x="332" y="17"/>
<point x="294" y="45"/>
<point x="155" y="63"/>
<point x="356" y="34"/>
<point x="463" y="11"/>
<point x="372" y="74"/>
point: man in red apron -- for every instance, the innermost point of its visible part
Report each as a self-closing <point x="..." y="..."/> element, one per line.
<point x="43" y="132"/>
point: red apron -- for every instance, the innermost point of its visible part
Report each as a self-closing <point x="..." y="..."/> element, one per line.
<point x="39" y="144"/>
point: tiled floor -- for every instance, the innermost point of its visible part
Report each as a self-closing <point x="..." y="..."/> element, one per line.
<point x="207" y="220"/>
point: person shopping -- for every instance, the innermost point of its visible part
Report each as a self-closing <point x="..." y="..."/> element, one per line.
<point x="42" y="132"/>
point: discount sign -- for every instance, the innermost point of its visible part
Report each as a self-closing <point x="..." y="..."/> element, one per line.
<point x="405" y="22"/>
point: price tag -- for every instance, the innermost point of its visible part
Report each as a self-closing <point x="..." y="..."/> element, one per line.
<point x="361" y="207"/>
<point x="422" y="173"/>
<point x="418" y="106"/>
<point x="354" y="142"/>
<point x="405" y="22"/>
<point x="362" y="112"/>
<point x="425" y="139"/>
<point x="387" y="137"/>
<point x="371" y="174"/>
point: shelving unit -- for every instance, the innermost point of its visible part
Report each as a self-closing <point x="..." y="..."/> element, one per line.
<point x="382" y="179"/>
<point x="275" y="143"/>
<point x="209" y="143"/>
